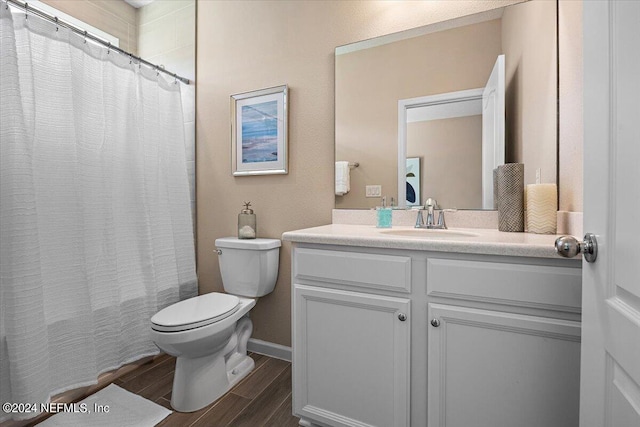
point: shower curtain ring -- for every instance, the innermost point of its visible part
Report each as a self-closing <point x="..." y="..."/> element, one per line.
<point x="26" y="10"/>
<point x="109" y="48"/>
<point x="56" y="18"/>
<point x="85" y="36"/>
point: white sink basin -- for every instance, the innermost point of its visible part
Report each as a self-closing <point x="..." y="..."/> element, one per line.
<point x="427" y="233"/>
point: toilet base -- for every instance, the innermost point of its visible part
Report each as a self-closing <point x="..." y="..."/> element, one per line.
<point x="238" y="367"/>
<point x="201" y="381"/>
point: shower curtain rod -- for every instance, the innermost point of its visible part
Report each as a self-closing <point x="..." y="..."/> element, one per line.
<point x="35" y="11"/>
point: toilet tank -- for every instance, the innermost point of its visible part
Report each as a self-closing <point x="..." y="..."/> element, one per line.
<point x="249" y="267"/>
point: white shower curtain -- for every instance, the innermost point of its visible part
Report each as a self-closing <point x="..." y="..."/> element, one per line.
<point x="95" y="223"/>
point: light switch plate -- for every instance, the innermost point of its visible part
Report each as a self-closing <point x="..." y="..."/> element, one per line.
<point x="373" y="191"/>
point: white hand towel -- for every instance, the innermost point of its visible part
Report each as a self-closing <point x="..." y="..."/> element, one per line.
<point x="342" y="178"/>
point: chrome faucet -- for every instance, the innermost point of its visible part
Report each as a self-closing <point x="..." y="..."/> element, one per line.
<point x="430" y="206"/>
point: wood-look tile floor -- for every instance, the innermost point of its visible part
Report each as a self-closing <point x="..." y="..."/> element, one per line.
<point x="263" y="398"/>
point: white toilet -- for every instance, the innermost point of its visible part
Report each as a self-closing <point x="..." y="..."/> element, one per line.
<point x="208" y="334"/>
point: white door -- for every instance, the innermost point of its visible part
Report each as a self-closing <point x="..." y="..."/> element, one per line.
<point x="493" y="118"/>
<point x="610" y="367"/>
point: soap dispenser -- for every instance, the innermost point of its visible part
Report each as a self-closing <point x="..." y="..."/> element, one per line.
<point x="385" y="215"/>
<point x="247" y="223"/>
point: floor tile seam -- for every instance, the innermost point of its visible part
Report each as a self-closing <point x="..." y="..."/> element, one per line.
<point x="284" y="402"/>
<point x="148" y="368"/>
<point x="124" y="384"/>
<point x="217" y="402"/>
<point x="253" y="373"/>
<point x="139" y="392"/>
<point x="231" y="423"/>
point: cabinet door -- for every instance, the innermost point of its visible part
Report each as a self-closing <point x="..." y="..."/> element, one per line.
<point x="350" y="357"/>
<point x="488" y="369"/>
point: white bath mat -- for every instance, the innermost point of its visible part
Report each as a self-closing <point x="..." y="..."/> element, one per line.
<point x="124" y="409"/>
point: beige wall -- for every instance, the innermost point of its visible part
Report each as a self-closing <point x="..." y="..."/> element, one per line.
<point x="570" y="155"/>
<point x="114" y="17"/>
<point x="166" y="35"/>
<point x="243" y="46"/>
<point x="529" y="45"/>
<point x="371" y="81"/>
<point x="451" y="172"/>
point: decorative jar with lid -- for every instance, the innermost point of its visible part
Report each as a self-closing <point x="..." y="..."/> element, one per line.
<point x="247" y="223"/>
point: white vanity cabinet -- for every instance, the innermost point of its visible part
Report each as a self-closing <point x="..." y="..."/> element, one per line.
<point x="488" y="368"/>
<point x="504" y="344"/>
<point x="395" y="337"/>
<point x="351" y="349"/>
<point x="352" y="357"/>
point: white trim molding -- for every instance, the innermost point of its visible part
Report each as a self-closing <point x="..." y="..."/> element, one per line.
<point x="269" y="349"/>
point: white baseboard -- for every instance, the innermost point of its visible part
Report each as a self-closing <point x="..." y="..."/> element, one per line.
<point x="269" y="349"/>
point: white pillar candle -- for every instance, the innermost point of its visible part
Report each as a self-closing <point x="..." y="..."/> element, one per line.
<point x="541" y="204"/>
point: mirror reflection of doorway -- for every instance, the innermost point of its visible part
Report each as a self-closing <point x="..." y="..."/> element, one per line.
<point x="460" y="137"/>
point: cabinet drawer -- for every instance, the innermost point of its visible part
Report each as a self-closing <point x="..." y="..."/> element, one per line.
<point x="546" y="287"/>
<point x="388" y="272"/>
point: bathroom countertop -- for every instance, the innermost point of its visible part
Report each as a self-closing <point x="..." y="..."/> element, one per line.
<point x="483" y="241"/>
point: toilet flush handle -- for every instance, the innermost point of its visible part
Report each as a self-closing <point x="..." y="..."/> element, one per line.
<point x="219" y="251"/>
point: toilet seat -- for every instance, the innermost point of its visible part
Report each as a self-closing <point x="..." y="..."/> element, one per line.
<point x="195" y="312"/>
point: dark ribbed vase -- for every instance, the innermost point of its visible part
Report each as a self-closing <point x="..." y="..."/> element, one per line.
<point x="510" y="179"/>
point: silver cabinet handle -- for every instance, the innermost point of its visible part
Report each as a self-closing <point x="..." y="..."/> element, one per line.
<point x="435" y="323"/>
<point x="569" y="247"/>
<point x="402" y="317"/>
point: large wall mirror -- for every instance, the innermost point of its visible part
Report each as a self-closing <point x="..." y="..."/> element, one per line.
<point x="410" y="109"/>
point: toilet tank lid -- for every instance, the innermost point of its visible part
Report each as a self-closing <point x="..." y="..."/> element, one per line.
<point x="250" y="244"/>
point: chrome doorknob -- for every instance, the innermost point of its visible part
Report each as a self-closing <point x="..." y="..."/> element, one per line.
<point x="402" y="317"/>
<point x="435" y="323"/>
<point x="568" y="247"/>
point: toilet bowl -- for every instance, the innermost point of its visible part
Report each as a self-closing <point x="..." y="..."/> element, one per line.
<point x="208" y="334"/>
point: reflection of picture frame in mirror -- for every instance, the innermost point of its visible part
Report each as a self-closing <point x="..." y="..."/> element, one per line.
<point x="259" y="132"/>
<point x="413" y="181"/>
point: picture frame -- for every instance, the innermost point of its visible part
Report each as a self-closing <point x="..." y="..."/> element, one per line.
<point x="259" y="132"/>
<point x="413" y="181"/>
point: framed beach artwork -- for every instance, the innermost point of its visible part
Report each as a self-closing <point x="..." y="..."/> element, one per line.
<point x="259" y="132"/>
